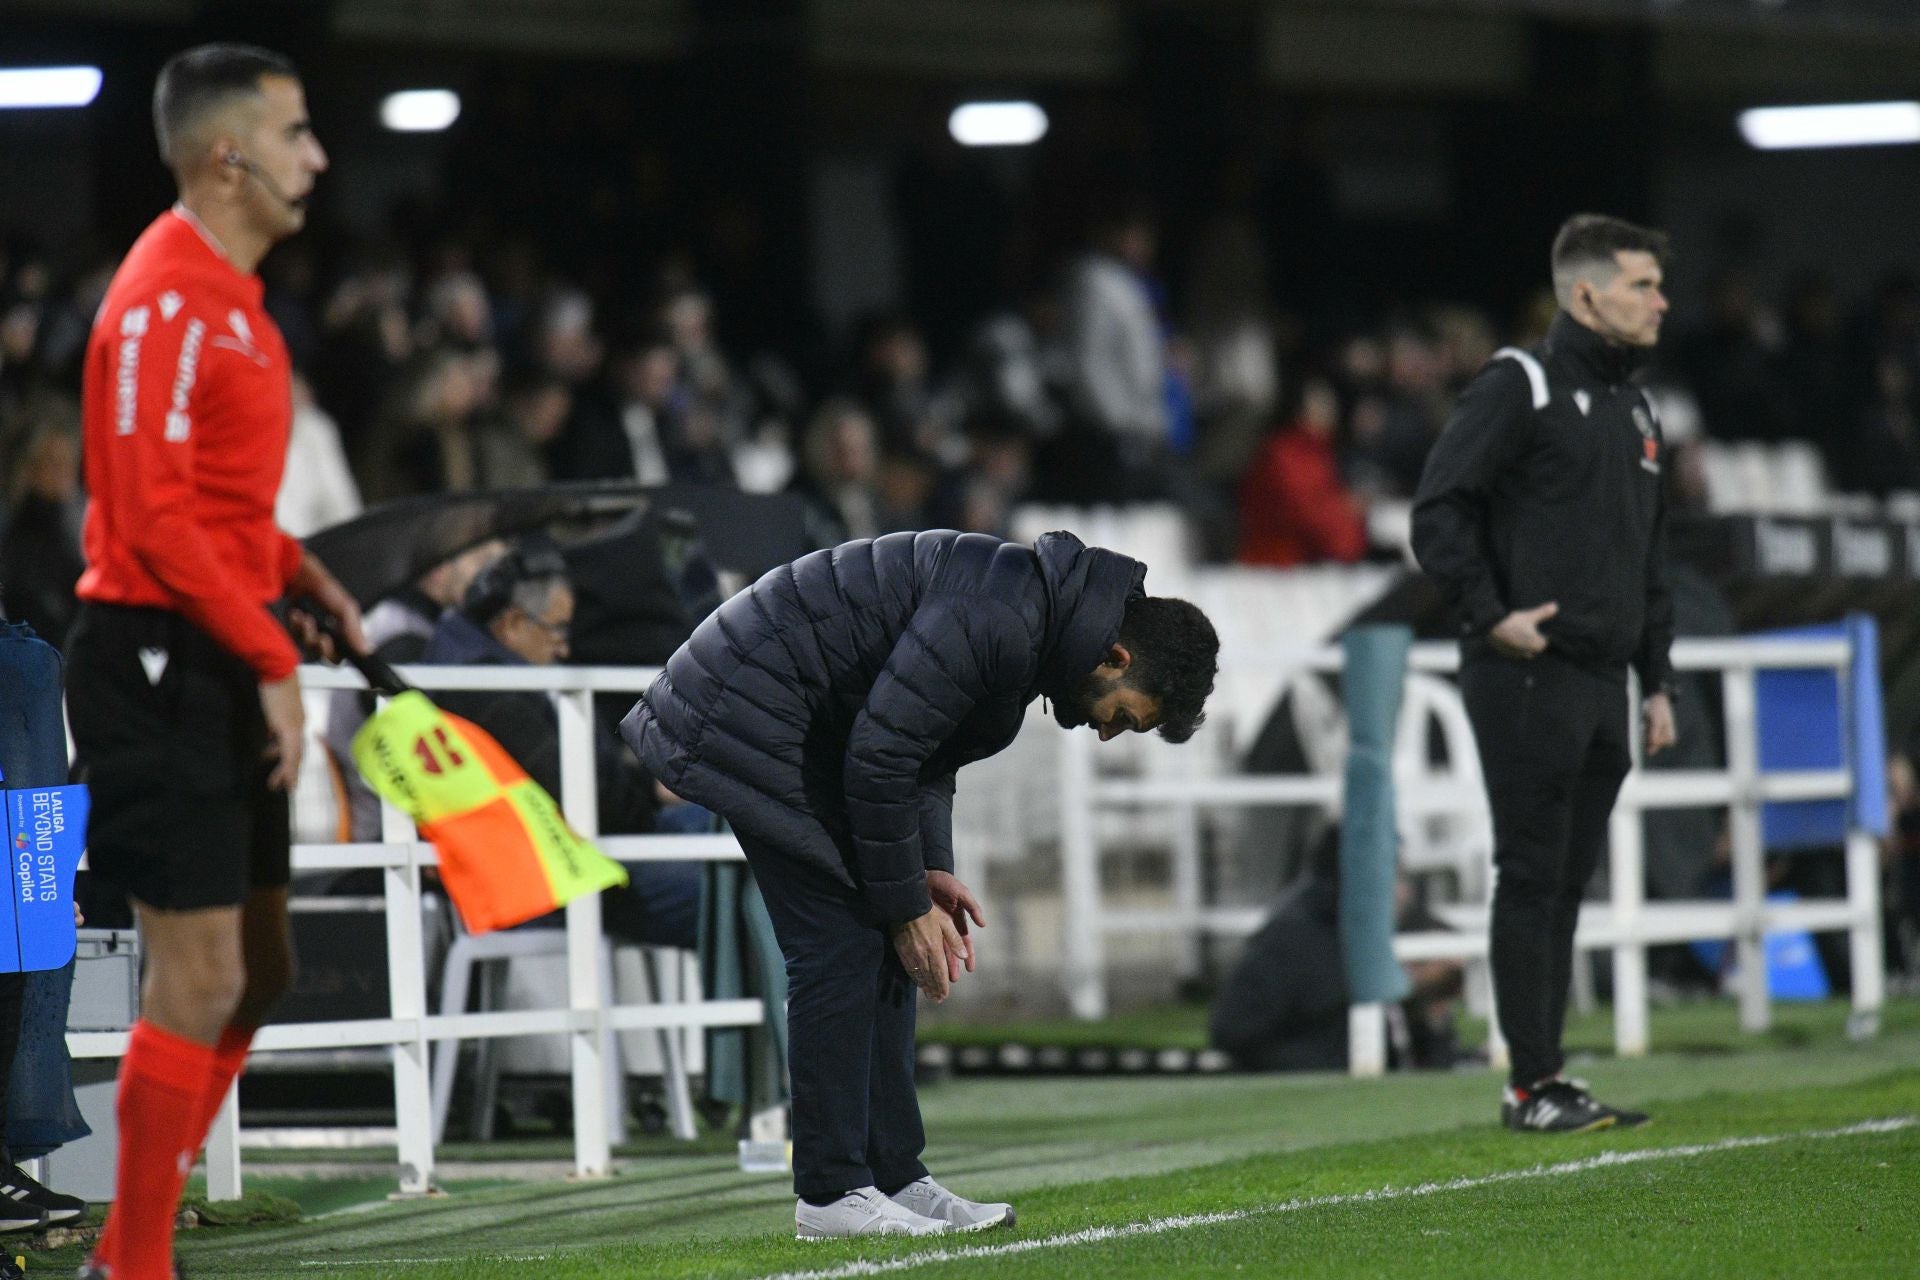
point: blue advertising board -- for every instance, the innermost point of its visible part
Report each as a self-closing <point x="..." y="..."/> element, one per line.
<point x="47" y="832"/>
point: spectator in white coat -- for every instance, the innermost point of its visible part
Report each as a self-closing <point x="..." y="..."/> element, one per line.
<point x="318" y="489"/>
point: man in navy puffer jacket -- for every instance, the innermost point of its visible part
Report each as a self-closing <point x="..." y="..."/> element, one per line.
<point x="824" y="711"/>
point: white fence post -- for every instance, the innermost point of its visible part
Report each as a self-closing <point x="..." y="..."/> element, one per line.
<point x="223" y="1149"/>
<point x="407" y="1003"/>
<point x="1749" y="856"/>
<point x="1367" y="1040"/>
<point x="1480" y="971"/>
<point x="579" y="801"/>
<point x="1085" y="961"/>
<point x="1627" y="880"/>
<point x="1186" y="885"/>
<point x="1863" y="897"/>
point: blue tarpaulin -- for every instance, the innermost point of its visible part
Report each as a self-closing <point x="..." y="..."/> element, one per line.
<point x="1808" y="720"/>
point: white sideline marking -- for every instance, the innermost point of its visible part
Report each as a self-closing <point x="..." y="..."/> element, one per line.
<point x="1094" y="1235"/>
<point x="428" y="1262"/>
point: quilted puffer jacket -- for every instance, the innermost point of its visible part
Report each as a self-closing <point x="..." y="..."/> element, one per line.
<point x="825" y="709"/>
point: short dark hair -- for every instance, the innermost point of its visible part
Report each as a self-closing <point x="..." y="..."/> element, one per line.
<point x="202" y="78"/>
<point x="1176" y="654"/>
<point x="1591" y="239"/>
<point x="527" y="576"/>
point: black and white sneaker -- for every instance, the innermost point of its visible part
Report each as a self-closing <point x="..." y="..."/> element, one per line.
<point x="25" y="1191"/>
<point x="1555" y="1106"/>
<point x="18" y="1215"/>
<point x="1622" y="1118"/>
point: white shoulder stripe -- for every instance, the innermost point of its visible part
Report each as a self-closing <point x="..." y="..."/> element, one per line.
<point x="1536" y="375"/>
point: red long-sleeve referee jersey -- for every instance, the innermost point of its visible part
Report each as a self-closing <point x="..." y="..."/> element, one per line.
<point x="187" y="405"/>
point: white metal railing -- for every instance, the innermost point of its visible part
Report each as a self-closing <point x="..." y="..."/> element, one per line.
<point x="409" y="1028"/>
<point x="1626" y="924"/>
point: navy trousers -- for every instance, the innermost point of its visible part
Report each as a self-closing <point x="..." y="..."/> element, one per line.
<point x="850" y="1017"/>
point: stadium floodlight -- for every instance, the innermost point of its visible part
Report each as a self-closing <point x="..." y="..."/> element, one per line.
<point x="997" y="124"/>
<point x="1838" y="124"/>
<point x="420" y="110"/>
<point x="48" y="86"/>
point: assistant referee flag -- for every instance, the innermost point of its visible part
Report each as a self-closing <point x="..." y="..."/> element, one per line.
<point x="506" y="854"/>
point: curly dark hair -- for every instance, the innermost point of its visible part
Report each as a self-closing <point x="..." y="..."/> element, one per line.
<point x="1175" y="657"/>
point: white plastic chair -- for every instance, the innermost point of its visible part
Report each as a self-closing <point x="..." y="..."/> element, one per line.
<point x="486" y="955"/>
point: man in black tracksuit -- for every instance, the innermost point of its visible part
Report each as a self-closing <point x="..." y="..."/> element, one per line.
<point x="1540" y="512"/>
<point x="824" y="711"/>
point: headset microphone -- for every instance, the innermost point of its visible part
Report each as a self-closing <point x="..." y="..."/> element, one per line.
<point x="254" y="171"/>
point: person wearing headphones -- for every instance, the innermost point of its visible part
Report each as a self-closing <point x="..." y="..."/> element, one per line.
<point x="181" y="684"/>
<point x="518" y="611"/>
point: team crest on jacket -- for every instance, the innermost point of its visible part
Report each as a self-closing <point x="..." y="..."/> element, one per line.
<point x="1649" y="444"/>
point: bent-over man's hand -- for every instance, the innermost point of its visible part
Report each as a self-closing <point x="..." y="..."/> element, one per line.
<point x="316" y="584"/>
<point x="954" y="898"/>
<point x="1518" y="634"/>
<point x="286" y="727"/>
<point x="1661" y="733"/>
<point x="930" y="949"/>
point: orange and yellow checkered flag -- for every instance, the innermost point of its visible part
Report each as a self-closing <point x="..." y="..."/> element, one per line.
<point x="506" y="854"/>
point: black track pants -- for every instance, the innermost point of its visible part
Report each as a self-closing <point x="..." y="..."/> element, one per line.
<point x="1554" y="749"/>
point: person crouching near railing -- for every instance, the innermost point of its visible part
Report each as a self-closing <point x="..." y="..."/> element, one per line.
<point x="824" y="712"/>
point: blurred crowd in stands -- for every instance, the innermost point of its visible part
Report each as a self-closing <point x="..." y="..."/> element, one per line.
<point x="471" y="366"/>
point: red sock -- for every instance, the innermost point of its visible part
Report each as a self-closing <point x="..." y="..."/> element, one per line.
<point x="229" y="1056"/>
<point x="163" y="1079"/>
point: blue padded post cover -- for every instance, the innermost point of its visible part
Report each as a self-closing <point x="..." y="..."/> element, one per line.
<point x="1375" y="675"/>
<point x="1867" y="728"/>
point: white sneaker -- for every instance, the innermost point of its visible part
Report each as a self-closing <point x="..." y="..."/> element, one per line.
<point x="863" y="1212"/>
<point x="931" y="1200"/>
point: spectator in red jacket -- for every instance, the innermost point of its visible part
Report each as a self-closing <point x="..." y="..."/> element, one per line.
<point x="1294" y="506"/>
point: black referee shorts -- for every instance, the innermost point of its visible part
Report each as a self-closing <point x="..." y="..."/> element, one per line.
<point x="170" y="738"/>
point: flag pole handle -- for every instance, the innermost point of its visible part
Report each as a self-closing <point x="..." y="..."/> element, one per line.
<point x="380" y="677"/>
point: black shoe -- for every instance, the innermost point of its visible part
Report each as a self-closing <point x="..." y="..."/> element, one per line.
<point x="18" y="1215"/>
<point x="11" y="1268"/>
<point x="1555" y="1106"/>
<point x="23" y="1190"/>
<point x="1622" y="1118"/>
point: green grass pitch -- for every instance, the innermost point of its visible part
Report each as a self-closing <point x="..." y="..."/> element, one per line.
<point x="1795" y="1154"/>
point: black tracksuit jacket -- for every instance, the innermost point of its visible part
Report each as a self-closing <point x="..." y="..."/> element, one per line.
<point x="1521" y="504"/>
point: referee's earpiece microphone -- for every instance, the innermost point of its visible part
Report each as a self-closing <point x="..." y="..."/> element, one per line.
<point x="252" y="170"/>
